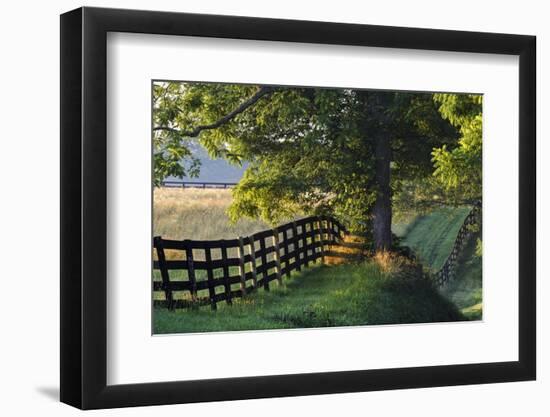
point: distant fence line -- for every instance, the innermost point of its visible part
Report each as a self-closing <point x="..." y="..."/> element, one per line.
<point x="448" y="270"/>
<point x="259" y="259"/>
<point x="190" y="184"/>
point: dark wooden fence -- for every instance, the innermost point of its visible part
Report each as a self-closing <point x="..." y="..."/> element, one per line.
<point x="448" y="270"/>
<point x="189" y="184"/>
<point x="211" y="271"/>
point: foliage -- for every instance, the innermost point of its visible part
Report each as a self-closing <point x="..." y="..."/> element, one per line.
<point x="458" y="168"/>
<point x="310" y="150"/>
<point x="171" y="156"/>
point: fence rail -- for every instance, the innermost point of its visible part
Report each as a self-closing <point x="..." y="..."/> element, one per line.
<point x="189" y="184"/>
<point x="448" y="270"/>
<point x="243" y="264"/>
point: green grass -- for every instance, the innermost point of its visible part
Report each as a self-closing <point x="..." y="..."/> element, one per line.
<point x="322" y="296"/>
<point x="466" y="289"/>
<point x="431" y="236"/>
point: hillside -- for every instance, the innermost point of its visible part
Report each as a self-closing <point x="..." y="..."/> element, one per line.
<point x="213" y="170"/>
<point x="431" y="238"/>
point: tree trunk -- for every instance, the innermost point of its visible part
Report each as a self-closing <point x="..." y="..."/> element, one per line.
<point x="382" y="212"/>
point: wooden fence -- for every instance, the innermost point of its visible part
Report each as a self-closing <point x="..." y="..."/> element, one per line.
<point x="189" y="184"/>
<point x="211" y="271"/>
<point x="448" y="270"/>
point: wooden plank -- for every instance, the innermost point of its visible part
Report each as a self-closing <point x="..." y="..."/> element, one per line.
<point x="264" y="234"/>
<point x="296" y="243"/>
<point x="267" y="250"/>
<point x="264" y="268"/>
<point x="303" y="221"/>
<point x="253" y="262"/>
<point x="191" y="273"/>
<point x="198" y="265"/>
<point x="284" y="227"/>
<point x="304" y="244"/>
<point x="200" y="244"/>
<point x="158" y="243"/>
<point x="321" y="239"/>
<point x="210" y="276"/>
<point x="174" y="286"/>
<point x="285" y="246"/>
<point x="264" y="263"/>
<point x="285" y="259"/>
<point x="241" y="266"/>
<point x="277" y="256"/>
<point x="225" y="269"/>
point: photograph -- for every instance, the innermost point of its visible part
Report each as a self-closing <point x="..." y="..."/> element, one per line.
<point x="286" y="204"/>
<point x="293" y="207"/>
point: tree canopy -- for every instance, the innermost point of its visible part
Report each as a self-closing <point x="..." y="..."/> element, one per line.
<point x="344" y="152"/>
<point x="459" y="168"/>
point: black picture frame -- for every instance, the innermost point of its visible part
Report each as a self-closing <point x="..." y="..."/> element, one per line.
<point x="84" y="207"/>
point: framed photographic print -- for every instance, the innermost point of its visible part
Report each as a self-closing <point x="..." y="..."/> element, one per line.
<point x="256" y="208"/>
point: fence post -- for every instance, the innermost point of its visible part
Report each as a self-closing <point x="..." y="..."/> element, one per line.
<point x="157" y="241"/>
<point x="241" y="266"/>
<point x="285" y="245"/>
<point x="191" y="271"/>
<point x="277" y="256"/>
<point x="225" y="268"/>
<point x="296" y="244"/>
<point x="210" y="275"/>
<point x="253" y="261"/>
<point x="321" y="239"/>
<point x="264" y="263"/>
<point x="304" y="243"/>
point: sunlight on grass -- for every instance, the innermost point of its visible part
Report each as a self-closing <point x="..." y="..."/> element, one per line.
<point x="198" y="214"/>
<point x="322" y="296"/>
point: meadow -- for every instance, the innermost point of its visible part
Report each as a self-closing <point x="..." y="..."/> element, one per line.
<point x="365" y="292"/>
<point x="198" y="214"/>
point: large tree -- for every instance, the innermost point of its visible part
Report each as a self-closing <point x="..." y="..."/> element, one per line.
<point x="309" y="150"/>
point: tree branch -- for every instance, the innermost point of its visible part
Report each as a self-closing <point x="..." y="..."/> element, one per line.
<point x="262" y="91"/>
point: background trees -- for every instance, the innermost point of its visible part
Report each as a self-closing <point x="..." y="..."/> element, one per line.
<point x="310" y="150"/>
<point x="459" y="168"/>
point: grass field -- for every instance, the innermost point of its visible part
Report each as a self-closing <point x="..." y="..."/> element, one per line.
<point x="431" y="237"/>
<point x="343" y="295"/>
<point x="198" y="214"/>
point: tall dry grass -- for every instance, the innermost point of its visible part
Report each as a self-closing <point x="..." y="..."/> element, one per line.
<point x="198" y="214"/>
